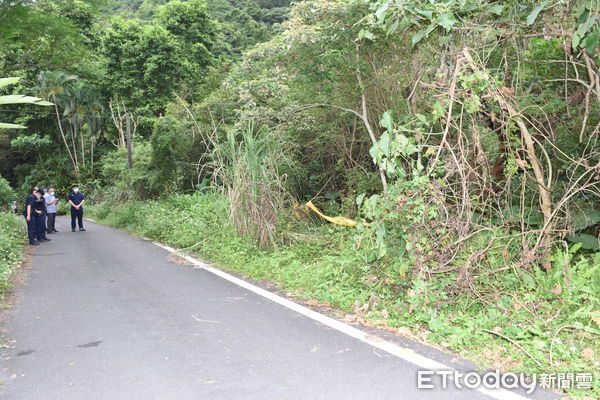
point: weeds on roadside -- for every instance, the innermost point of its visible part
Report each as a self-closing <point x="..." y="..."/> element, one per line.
<point x="12" y="238"/>
<point x="554" y="320"/>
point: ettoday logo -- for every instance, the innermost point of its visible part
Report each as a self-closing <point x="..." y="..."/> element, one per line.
<point x="430" y="379"/>
<point x="427" y="379"/>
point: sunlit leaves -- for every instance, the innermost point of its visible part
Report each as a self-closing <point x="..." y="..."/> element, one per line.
<point x="423" y="33"/>
<point x="21" y="99"/>
<point x="496" y="9"/>
<point x="17" y="99"/>
<point x="447" y="20"/>
<point x="8" y="81"/>
<point x="591" y="41"/>
<point x="587" y="34"/>
<point x="6" y="125"/>
<point x="365" y="34"/>
<point x="27" y="143"/>
<point x="386" y="120"/>
<point x="535" y="12"/>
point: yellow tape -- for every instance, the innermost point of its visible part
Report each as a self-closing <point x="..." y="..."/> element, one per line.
<point x="334" y="220"/>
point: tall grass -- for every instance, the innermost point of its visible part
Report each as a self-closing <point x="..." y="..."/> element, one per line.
<point x="246" y="164"/>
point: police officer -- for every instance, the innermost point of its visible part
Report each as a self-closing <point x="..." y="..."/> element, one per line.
<point x="40" y="216"/>
<point x="29" y="214"/>
<point x="76" y="200"/>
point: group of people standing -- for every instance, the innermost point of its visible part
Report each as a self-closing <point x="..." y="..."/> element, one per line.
<point x="41" y="206"/>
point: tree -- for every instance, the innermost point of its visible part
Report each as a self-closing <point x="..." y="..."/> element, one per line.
<point x="51" y="85"/>
<point x="190" y="24"/>
<point x="144" y="64"/>
<point x="82" y="106"/>
<point x="42" y="35"/>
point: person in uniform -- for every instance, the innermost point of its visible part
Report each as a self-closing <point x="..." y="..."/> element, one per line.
<point x="40" y="216"/>
<point x="51" y="209"/>
<point x="76" y="200"/>
<point x="29" y="214"/>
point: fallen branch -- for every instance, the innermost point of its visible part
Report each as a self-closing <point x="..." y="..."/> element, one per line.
<point x="514" y="343"/>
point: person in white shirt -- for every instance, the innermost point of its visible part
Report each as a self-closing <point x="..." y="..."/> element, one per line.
<point x="51" y="209"/>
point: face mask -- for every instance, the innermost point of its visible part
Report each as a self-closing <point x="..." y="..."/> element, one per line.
<point x="37" y="196"/>
<point x="51" y="193"/>
<point x="75" y="190"/>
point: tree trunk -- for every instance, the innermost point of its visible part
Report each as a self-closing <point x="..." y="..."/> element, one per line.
<point x="64" y="137"/>
<point x="544" y="189"/>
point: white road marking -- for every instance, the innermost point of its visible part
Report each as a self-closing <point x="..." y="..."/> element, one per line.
<point x="88" y="219"/>
<point x="402" y="352"/>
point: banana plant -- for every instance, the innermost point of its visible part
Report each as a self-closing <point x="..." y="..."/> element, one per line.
<point x="17" y="99"/>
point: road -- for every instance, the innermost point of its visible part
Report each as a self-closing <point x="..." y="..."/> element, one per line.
<point x="105" y="315"/>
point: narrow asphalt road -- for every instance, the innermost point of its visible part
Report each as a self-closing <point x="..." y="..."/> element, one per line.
<point x="105" y="315"/>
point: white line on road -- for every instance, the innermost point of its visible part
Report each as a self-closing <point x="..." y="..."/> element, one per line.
<point x="391" y="348"/>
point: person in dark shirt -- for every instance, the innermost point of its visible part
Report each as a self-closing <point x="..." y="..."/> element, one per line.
<point x="29" y="214"/>
<point x="40" y="216"/>
<point x="76" y="200"/>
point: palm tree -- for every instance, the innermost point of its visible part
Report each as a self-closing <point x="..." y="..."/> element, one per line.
<point x="82" y="109"/>
<point x="52" y="86"/>
<point x="93" y="119"/>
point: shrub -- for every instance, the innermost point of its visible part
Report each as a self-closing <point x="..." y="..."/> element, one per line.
<point x="12" y="236"/>
<point x="7" y="194"/>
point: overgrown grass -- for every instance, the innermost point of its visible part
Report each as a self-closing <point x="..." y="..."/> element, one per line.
<point x="506" y="317"/>
<point x="12" y="240"/>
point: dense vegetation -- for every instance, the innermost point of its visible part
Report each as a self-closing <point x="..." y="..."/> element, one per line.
<point x="11" y="250"/>
<point x="460" y="136"/>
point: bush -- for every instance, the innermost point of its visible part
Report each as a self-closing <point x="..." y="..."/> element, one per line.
<point x="127" y="184"/>
<point x="7" y="194"/>
<point x="166" y="142"/>
<point x="12" y="237"/>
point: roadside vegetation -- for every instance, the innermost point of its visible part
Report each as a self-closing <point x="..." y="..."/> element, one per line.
<point x="509" y="319"/>
<point x="12" y="239"/>
<point x="457" y="141"/>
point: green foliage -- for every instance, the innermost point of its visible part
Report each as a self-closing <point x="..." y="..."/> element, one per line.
<point x="145" y="64"/>
<point x="79" y="124"/>
<point x="17" y="99"/>
<point x="26" y="144"/>
<point x="247" y="166"/>
<point x="166" y="142"/>
<point x="7" y="194"/>
<point x="426" y="17"/>
<point x="12" y="237"/>
<point x="587" y="34"/>
<point x="44" y="35"/>
<point x="455" y="247"/>
<point x="127" y="184"/>
<point x="190" y="24"/>
<point x="531" y="307"/>
<point x="396" y="215"/>
<point x="241" y="23"/>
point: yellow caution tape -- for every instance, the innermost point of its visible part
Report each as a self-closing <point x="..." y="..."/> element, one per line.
<point x="334" y="220"/>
